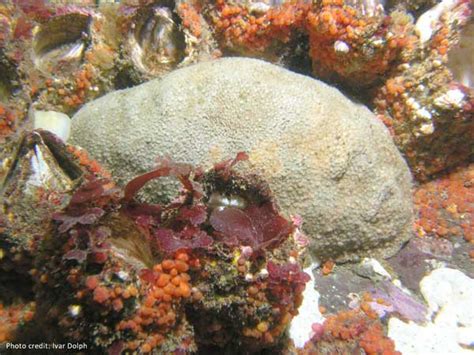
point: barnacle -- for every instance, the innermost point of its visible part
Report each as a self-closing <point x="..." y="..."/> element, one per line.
<point x="60" y="43"/>
<point x="38" y="180"/>
<point x="41" y="175"/>
<point x="155" y="43"/>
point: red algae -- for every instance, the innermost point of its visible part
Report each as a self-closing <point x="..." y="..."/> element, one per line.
<point x="109" y="251"/>
<point x="36" y="9"/>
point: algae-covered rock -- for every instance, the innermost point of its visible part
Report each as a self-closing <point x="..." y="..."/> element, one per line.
<point x="326" y="158"/>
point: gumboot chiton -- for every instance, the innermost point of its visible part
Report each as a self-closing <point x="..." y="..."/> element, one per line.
<point x="326" y="158"/>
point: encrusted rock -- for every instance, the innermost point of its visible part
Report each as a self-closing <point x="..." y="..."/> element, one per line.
<point x="324" y="157"/>
<point x="449" y="294"/>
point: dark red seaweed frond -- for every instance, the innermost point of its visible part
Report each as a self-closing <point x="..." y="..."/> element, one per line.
<point x="165" y="167"/>
<point x="87" y="216"/>
<point x="260" y="227"/>
<point x="224" y="168"/>
<point x="286" y="280"/>
<point x="189" y="238"/>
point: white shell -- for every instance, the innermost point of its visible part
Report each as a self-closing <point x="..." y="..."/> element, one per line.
<point x="429" y="20"/>
<point x="341" y="47"/>
<point x="308" y="312"/>
<point x="53" y="121"/>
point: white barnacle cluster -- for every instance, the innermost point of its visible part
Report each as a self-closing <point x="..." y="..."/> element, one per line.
<point x="451" y="99"/>
<point x="421" y="114"/>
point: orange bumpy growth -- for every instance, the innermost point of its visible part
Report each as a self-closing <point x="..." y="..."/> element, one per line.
<point x="445" y="205"/>
<point x="87" y="162"/>
<point x="191" y="19"/>
<point x="157" y="313"/>
<point x="255" y="31"/>
<point x="353" y="327"/>
<point x="339" y="35"/>
<point x="11" y="316"/>
<point x="7" y="121"/>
